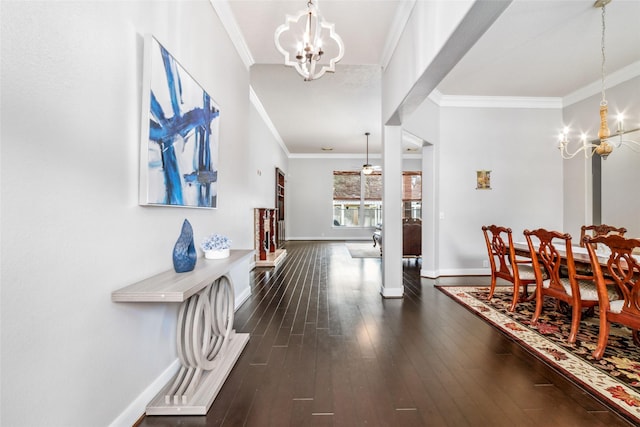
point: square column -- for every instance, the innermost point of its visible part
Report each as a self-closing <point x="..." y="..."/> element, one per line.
<point x="392" y="212"/>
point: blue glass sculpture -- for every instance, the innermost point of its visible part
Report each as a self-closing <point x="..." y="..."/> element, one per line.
<point x="184" y="252"/>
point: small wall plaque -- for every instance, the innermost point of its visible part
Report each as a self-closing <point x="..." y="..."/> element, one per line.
<point x="483" y="180"/>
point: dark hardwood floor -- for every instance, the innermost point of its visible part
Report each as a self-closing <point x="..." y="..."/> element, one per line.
<point x="327" y="350"/>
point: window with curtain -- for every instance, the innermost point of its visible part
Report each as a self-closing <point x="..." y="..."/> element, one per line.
<point x="357" y="198"/>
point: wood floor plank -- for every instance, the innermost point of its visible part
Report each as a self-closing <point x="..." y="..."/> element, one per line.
<point x="282" y="400"/>
<point x="327" y="350"/>
<point x="342" y="393"/>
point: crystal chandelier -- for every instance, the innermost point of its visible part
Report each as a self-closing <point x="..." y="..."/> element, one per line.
<point x="306" y="47"/>
<point x="604" y="145"/>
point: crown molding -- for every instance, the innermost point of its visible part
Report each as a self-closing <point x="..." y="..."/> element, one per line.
<point x="357" y="156"/>
<point x="435" y="96"/>
<point x="267" y="120"/>
<point x="255" y="101"/>
<point x="494" y="101"/>
<point x="627" y="73"/>
<point x="409" y="138"/>
<point x="223" y="10"/>
<point x="395" y="32"/>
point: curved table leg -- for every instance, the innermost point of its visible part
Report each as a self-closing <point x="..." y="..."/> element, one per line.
<point x="207" y="347"/>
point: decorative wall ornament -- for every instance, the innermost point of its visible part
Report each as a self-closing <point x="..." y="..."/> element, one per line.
<point x="179" y="147"/>
<point x="184" y="251"/>
<point x="483" y="180"/>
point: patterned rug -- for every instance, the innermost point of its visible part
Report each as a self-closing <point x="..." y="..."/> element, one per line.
<point x="615" y="379"/>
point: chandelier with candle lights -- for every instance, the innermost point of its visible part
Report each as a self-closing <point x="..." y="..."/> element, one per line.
<point x="604" y="145"/>
<point x="300" y="40"/>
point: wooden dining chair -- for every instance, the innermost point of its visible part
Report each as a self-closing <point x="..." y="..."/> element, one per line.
<point x="504" y="264"/>
<point x="623" y="268"/>
<point x="599" y="230"/>
<point x="576" y="289"/>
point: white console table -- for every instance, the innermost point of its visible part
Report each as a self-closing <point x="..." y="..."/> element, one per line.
<point x="208" y="346"/>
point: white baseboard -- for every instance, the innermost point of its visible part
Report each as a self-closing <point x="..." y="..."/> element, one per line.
<point x="240" y="299"/>
<point x="138" y="407"/>
<point x="430" y="274"/>
<point x="391" y="292"/>
<point x="434" y="274"/>
<point x="336" y="239"/>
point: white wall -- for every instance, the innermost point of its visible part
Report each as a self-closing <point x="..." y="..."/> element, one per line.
<point x="72" y="229"/>
<point x="583" y="116"/>
<point x="526" y="176"/>
<point x="262" y="156"/>
<point x="620" y="177"/>
<point x="436" y="36"/>
<point x="310" y="198"/>
<point x="430" y="25"/>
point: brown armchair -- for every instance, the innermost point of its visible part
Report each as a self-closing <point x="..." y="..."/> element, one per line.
<point x="411" y="237"/>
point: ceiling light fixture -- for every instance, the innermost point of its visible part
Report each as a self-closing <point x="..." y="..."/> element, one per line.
<point x="306" y="47"/>
<point x="604" y="145"/>
<point x="367" y="169"/>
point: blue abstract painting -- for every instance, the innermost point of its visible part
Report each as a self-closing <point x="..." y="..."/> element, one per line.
<point x="180" y="121"/>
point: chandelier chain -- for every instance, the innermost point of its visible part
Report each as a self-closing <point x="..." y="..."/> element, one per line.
<point x="603" y="71"/>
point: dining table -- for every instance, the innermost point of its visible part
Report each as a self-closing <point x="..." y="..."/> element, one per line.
<point x="580" y="255"/>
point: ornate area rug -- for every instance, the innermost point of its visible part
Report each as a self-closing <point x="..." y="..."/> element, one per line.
<point x="615" y="379"/>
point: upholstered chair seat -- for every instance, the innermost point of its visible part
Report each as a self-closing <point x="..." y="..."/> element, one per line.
<point x="526" y="272"/>
<point x="588" y="289"/>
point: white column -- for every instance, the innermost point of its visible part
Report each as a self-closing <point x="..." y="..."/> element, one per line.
<point x="392" y="212"/>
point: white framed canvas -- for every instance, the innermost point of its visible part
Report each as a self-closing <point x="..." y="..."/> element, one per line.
<point x="180" y="128"/>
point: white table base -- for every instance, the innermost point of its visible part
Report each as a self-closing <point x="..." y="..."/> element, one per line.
<point x="210" y="384"/>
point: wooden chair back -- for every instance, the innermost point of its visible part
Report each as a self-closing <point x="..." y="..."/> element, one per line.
<point x="623" y="268"/>
<point x="499" y="243"/>
<point x="546" y="257"/>
<point x="577" y="290"/>
<point x="599" y="230"/>
<point x="504" y="264"/>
